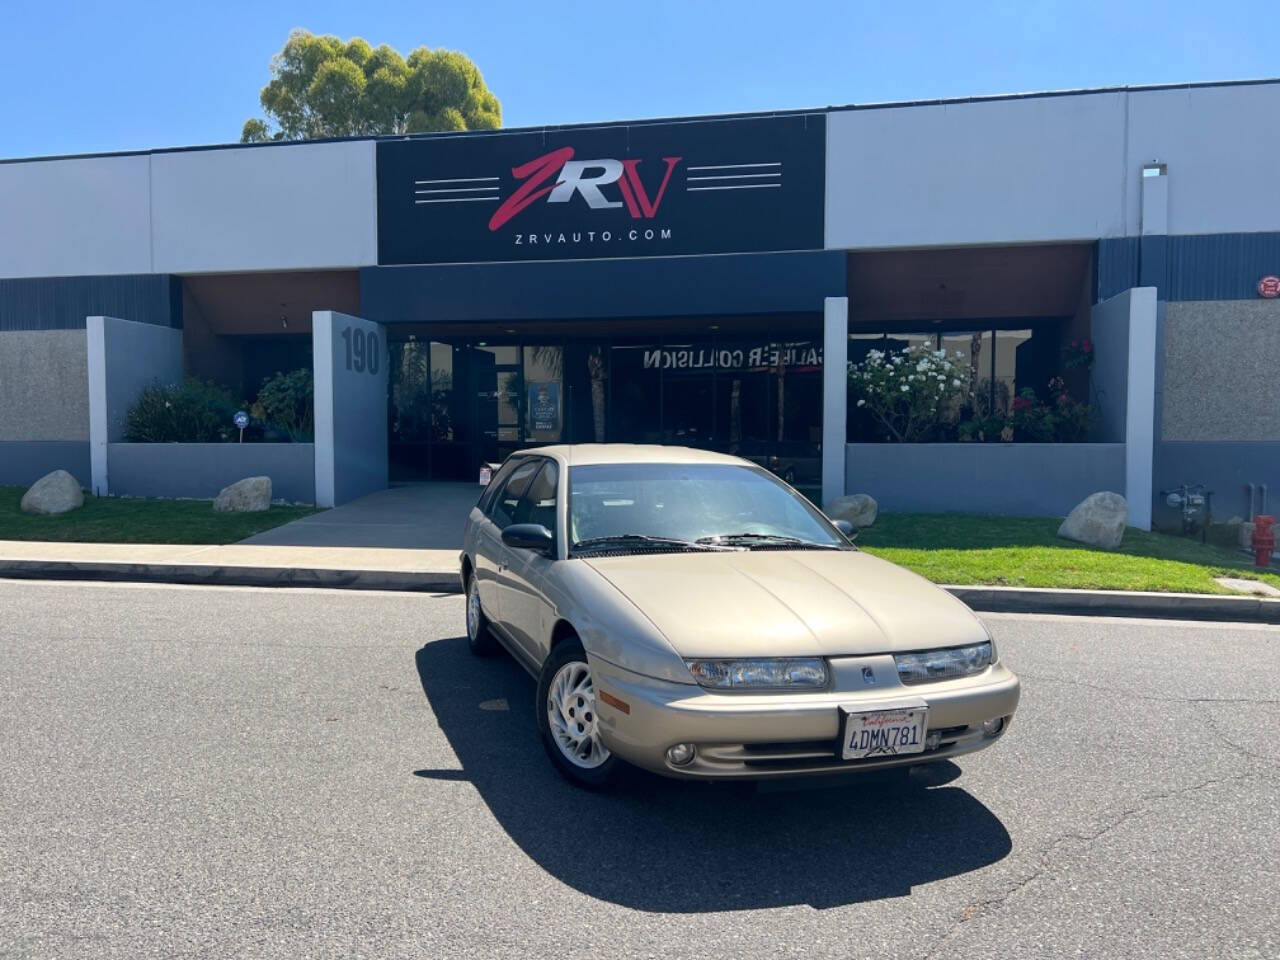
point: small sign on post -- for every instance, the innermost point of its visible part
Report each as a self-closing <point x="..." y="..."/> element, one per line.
<point x="486" y="474"/>
<point x="241" y="420"/>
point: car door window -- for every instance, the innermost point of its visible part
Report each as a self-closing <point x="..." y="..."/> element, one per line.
<point x="508" y="498"/>
<point x="538" y="505"/>
<point x="498" y="481"/>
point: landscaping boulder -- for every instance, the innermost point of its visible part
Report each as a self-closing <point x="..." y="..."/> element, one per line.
<point x="55" y="492"/>
<point x="244" y="496"/>
<point x="858" y="508"/>
<point x="1098" y="520"/>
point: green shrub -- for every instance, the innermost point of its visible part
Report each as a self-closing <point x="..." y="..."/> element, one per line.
<point x="193" y="412"/>
<point x="286" y="403"/>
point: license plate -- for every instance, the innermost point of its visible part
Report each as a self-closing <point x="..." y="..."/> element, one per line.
<point x="883" y="733"/>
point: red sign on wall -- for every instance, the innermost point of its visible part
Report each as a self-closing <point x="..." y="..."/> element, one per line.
<point x="1269" y="287"/>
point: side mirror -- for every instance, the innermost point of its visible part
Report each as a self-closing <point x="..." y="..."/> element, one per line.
<point x="528" y="536"/>
<point x="845" y="527"/>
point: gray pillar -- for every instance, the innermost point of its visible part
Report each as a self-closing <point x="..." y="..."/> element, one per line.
<point x="835" y="390"/>
<point x="1140" y="406"/>
<point x="350" y="362"/>
<point x="123" y="357"/>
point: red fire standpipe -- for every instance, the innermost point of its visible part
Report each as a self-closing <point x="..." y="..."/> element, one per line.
<point x="1264" y="539"/>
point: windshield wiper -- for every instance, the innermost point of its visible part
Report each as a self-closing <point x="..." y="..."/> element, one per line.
<point x="638" y="539"/>
<point x="771" y="539"/>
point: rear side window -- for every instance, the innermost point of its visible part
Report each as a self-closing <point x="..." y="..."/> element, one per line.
<point x="496" y="483"/>
<point x="508" y="498"/>
<point x="539" y="503"/>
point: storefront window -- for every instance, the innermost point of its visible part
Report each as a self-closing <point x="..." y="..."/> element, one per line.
<point x="742" y="399"/>
<point x="544" y="393"/>
<point x="635" y="396"/>
<point x="688" y="409"/>
<point x="456" y="405"/>
<point x="1001" y="363"/>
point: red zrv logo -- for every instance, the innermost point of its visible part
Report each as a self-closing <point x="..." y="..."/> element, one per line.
<point x="584" y="177"/>
<point x="1269" y="287"/>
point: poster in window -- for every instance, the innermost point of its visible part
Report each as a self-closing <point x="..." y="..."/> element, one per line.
<point x="544" y="407"/>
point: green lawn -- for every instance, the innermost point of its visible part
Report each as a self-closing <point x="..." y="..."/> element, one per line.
<point x="135" y="520"/>
<point x="1025" y="552"/>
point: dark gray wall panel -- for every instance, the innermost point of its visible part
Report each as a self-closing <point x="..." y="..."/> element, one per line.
<point x="1013" y="479"/>
<point x="1223" y="266"/>
<point x="26" y="461"/>
<point x="658" y="287"/>
<point x="1224" y="467"/>
<point x="200" y="470"/>
<point x="62" y="303"/>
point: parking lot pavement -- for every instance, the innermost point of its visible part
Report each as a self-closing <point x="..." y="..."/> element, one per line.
<point x="216" y="772"/>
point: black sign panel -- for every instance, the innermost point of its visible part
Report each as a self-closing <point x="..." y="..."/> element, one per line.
<point x="661" y="189"/>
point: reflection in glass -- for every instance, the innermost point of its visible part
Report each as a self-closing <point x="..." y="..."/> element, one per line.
<point x="503" y="356"/>
<point x="635" y="400"/>
<point x="1006" y="361"/>
<point x="442" y="398"/>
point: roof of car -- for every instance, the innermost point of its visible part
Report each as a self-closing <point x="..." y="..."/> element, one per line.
<point x="579" y="454"/>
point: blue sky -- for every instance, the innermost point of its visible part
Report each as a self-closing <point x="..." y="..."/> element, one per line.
<point x="92" y="76"/>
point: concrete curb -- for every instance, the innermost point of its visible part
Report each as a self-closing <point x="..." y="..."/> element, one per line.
<point x="1117" y="603"/>
<point x="1095" y="603"/>
<point x="427" y="581"/>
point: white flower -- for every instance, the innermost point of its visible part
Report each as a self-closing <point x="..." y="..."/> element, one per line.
<point x="955" y="383"/>
<point x="905" y="388"/>
<point x="862" y="403"/>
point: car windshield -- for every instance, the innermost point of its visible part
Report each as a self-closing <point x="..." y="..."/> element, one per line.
<point x="704" y="506"/>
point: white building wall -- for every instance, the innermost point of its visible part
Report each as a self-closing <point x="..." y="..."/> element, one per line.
<point x="1000" y="171"/>
<point x="1221" y="145"/>
<point x="309" y="206"/>
<point x="63" y="218"/>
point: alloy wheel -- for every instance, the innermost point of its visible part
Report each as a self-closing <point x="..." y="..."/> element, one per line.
<point x="571" y="713"/>
<point x="473" y="611"/>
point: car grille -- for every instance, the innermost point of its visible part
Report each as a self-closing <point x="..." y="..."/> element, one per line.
<point x="807" y="754"/>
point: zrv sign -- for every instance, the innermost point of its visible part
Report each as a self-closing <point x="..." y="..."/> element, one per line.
<point x="655" y="189"/>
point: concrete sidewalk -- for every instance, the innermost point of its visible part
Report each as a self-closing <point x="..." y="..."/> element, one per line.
<point x="436" y="571"/>
<point x="412" y="516"/>
<point x="237" y="564"/>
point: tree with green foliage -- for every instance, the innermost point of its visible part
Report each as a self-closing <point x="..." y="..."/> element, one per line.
<point x="322" y="87"/>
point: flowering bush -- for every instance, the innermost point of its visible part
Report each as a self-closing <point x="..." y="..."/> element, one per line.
<point x="909" y="392"/>
<point x="1078" y="355"/>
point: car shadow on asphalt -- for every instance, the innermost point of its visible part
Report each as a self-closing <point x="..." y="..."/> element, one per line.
<point x="665" y="845"/>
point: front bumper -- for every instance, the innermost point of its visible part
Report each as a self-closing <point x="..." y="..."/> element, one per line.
<point x="766" y="735"/>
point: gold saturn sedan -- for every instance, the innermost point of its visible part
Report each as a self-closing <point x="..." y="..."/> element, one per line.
<point x="690" y="613"/>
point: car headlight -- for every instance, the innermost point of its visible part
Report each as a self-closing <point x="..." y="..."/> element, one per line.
<point x="945" y="664"/>
<point x="781" y="674"/>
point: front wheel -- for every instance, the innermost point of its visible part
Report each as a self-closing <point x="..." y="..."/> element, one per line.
<point x="479" y="638"/>
<point x="567" y="717"/>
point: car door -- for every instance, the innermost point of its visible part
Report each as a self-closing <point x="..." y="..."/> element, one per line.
<point x="490" y="553"/>
<point x="527" y="611"/>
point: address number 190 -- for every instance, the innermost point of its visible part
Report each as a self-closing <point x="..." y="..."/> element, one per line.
<point x="362" y="350"/>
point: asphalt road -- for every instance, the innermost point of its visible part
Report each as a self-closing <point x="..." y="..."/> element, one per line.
<point x="208" y="772"/>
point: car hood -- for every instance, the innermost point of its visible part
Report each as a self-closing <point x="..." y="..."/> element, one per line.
<point x="789" y="603"/>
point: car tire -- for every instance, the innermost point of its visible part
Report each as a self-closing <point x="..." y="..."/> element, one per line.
<point x="479" y="637"/>
<point x="567" y="719"/>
